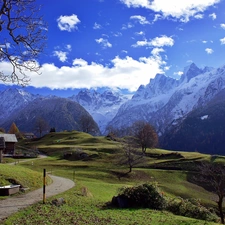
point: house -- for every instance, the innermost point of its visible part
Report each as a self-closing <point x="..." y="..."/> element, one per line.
<point x="28" y="135"/>
<point x="10" y="141"/>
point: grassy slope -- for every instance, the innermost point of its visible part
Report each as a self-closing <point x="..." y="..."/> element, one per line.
<point x="97" y="177"/>
<point x="20" y="175"/>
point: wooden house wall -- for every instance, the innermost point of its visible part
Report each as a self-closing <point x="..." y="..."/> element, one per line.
<point x="9" y="148"/>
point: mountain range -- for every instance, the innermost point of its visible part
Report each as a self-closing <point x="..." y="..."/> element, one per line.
<point x="178" y="109"/>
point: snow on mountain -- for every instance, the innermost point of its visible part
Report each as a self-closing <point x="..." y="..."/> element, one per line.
<point x="165" y="102"/>
<point x="13" y="99"/>
<point x="102" y="106"/>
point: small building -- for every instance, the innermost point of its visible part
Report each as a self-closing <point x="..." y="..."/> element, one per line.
<point x="10" y="141"/>
<point x="28" y="135"/>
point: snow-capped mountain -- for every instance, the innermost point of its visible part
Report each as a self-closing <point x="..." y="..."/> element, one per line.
<point x="202" y="130"/>
<point x="165" y="102"/>
<point x="102" y="106"/>
<point x="13" y="99"/>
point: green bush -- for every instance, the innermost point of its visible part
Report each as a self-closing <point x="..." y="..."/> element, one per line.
<point x="190" y="208"/>
<point x="144" y="196"/>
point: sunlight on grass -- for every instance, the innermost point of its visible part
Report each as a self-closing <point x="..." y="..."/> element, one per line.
<point x="97" y="181"/>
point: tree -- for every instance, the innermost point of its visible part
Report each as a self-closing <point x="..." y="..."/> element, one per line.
<point x="15" y="130"/>
<point x="52" y="130"/>
<point x="41" y="126"/>
<point x="2" y="130"/>
<point x="87" y="123"/>
<point x="131" y="156"/>
<point x="23" y="38"/>
<point x="212" y="175"/>
<point x="144" y="134"/>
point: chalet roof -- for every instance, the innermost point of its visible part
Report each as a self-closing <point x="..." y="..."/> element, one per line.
<point x="9" y="137"/>
<point x="28" y="134"/>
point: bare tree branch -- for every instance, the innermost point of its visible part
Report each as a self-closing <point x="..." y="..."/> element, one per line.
<point x="23" y="38"/>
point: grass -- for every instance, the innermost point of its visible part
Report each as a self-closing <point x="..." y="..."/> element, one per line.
<point x="18" y="174"/>
<point x="97" y="182"/>
<point x="89" y="209"/>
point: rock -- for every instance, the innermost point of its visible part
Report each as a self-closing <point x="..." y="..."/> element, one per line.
<point x="58" y="202"/>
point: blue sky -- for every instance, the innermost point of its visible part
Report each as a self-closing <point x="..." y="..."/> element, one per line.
<point x="124" y="43"/>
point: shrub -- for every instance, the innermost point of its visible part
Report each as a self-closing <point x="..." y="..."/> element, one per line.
<point x="190" y="208"/>
<point x="144" y="196"/>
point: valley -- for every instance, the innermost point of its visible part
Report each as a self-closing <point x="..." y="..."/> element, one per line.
<point x="93" y="165"/>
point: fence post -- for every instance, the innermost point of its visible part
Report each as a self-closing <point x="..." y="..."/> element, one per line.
<point x="44" y="183"/>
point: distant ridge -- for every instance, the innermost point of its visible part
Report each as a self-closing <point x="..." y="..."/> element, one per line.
<point x="60" y="113"/>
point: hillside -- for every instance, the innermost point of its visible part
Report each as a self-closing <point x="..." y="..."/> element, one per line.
<point x="60" y="113"/>
<point x="98" y="178"/>
<point x="203" y="129"/>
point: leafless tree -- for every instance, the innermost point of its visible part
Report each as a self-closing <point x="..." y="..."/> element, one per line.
<point x="212" y="176"/>
<point x="131" y="156"/>
<point x="23" y="38"/>
<point x="41" y="126"/>
<point x="145" y="135"/>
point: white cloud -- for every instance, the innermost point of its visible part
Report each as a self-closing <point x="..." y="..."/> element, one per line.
<point x="127" y="26"/>
<point x="166" y="68"/>
<point x="209" y="51"/>
<point x="222" y="25"/>
<point x="222" y="41"/>
<point x="79" y="62"/>
<point x="136" y="3"/>
<point x="179" y="73"/>
<point x="162" y="41"/>
<point x="156" y="42"/>
<point x="126" y="73"/>
<point x="62" y="56"/>
<point x="97" y="26"/>
<point x="213" y="16"/>
<point x="157" y="17"/>
<point x="156" y="51"/>
<point x="181" y="10"/>
<point x="117" y="34"/>
<point x="141" y="33"/>
<point x="104" y="42"/>
<point x="199" y="16"/>
<point x="141" y="43"/>
<point x="204" y="42"/>
<point x="141" y="19"/>
<point x="69" y="47"/>
<point x="68" y="23"/>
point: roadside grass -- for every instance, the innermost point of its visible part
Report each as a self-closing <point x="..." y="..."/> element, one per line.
<point x="82" y="208"/>
<point x="20" y="175"/>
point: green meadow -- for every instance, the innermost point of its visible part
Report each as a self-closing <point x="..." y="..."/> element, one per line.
<point x="96" y="175"/>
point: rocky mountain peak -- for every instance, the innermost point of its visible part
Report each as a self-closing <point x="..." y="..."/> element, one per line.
<point x="161" y="84"/>
<point x="189" y="72"/>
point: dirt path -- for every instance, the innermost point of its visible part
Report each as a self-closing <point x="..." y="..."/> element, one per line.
<point x="13" y="204"/>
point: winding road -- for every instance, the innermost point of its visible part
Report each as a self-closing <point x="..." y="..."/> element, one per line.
<point x="13" y="204"/>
